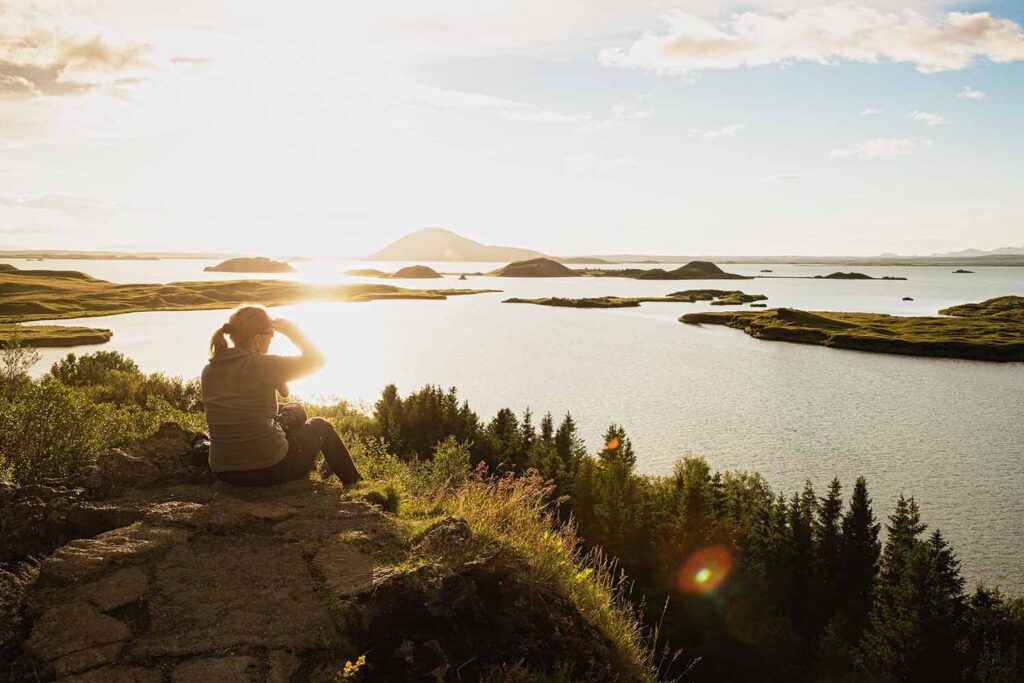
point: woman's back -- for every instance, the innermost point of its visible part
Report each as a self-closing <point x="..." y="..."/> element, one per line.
<point x="239" y="392"/>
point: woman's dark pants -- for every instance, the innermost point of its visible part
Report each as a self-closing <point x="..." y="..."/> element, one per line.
<point x="305" y="442"/>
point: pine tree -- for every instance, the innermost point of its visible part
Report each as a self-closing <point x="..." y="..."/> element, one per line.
<point x="527" y="433"/>
<point x="859" y="552"/>
<point x="547" y="429"/>
<point x="827" y="543"/>
<point x="903" y="530"/>
<point x="617" y="447"/>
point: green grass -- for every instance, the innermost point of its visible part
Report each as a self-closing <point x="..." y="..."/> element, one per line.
<point x="992" y="330"/>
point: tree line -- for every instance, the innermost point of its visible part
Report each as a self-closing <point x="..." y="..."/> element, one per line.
<point x="810" y="592"/>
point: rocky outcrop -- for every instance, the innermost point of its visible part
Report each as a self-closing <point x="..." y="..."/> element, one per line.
<point x="147" y="571"/>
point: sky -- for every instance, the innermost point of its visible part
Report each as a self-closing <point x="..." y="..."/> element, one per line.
<point x="570" y="127"/>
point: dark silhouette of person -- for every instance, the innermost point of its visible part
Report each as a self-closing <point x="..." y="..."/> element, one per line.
<point x="249" y="444"/>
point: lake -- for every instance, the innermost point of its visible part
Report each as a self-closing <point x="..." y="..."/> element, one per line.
<point x="949" y="432"/>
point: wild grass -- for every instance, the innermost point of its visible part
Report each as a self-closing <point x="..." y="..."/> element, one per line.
<point x="516" y="512"/>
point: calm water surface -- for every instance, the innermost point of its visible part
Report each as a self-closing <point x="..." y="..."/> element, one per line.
<point x="949" y="432"/>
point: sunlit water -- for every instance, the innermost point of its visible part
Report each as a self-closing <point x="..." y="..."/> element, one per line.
<point x="949" y="432"/>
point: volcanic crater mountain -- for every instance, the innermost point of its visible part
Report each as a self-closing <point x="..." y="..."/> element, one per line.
<point x="440" y="244"/>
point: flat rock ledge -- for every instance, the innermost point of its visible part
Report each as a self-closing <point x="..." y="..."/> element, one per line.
<point x="157" y="575"/>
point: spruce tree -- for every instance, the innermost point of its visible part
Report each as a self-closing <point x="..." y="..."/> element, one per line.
<point x="859" y="551"/>
<point x="827" y="543"/>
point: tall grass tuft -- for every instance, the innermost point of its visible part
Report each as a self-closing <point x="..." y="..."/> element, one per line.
<point x="516" y="512"/>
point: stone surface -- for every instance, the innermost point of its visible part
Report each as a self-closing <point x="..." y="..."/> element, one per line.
<point x="232" y="592"/>
<point x="83" y="660"/>
<point x="117" y="674"/>
<point x="121" y="588"/>
<point x="345" y="570"/>
<point x="73" y="627"/>
<point x="218" y="583"/>
<point x="86" y="559"/>
<point x="281" y="666"/>
<point x="219" y="670"/>
<point x="221" y="515"/>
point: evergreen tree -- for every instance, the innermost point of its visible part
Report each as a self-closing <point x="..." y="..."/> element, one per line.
<point x="827" y="548"/>
<point x="903" y="530"/>
<point x="859" y="551"/>
<point x="389" y="418"/>
<point x="527" y="433"/>
<point x="569" y="445"/>
<point x="547" y="429"/>
<point x="617" y="447"/>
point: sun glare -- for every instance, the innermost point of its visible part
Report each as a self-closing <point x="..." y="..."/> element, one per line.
<point x="705" y="569"/>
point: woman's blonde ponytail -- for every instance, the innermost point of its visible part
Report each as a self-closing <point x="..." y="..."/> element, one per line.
<point x="217" y="342"/>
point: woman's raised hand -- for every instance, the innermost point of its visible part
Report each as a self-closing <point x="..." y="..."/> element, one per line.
<point x="285" y="327"/>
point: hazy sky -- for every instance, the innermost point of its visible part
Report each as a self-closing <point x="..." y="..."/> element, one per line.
<point x="686" y="126"/>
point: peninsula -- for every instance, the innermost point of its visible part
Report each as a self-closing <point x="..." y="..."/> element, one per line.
<point x="59" y="295"/>
<point x="992" y="330"/>
<point x="257" y="264"/>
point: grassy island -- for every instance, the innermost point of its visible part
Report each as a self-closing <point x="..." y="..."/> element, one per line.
<point x="992" y="330"/>
<point x="854" y="276"/>
<point x="535" y="267"/>
<point x="717" y="297"/>
<point x="407" y="273"/>
<point x="53" y="335"/>
<point x="694" y="270"/>
<point x="26" y="295"/>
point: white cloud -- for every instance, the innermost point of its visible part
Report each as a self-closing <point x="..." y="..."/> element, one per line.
<point x="541" y="116"/>
<point x="826" y="35"/>
<point x="592" y="164"/>
<point x="875" y="148"/>
<point x="629" y="111"/>
<point x="783" y="177"/>
<point x="871" y="111"/>
<point x="928" y="118"/>
<point x="969" y="93"/>
<point x="70" y="205"/>
<point x="715" y="133"/>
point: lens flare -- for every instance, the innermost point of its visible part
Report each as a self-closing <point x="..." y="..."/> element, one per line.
<point x="613" y="444"/>
<point x="705" y="569"/>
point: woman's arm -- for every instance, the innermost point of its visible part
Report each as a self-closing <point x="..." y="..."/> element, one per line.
<point x="312" y="358"/>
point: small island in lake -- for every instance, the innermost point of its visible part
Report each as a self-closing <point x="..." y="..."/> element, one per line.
<point x="406" y="273"/>
<point x="992" y="330"/>
<point x="535" y="267"/>
<point x="694" y="270"/>
<point x="854" y="276"/>
<point x="961" y="271"/>
<point x="717" y="297"/>
<point x="258" y="264"/>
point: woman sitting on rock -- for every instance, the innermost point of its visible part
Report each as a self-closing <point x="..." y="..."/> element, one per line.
<point x="248" y="446"/>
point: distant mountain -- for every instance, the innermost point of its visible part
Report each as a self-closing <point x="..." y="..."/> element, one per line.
<point x="439" y="244"/>
<point x="1001" y="251"/>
